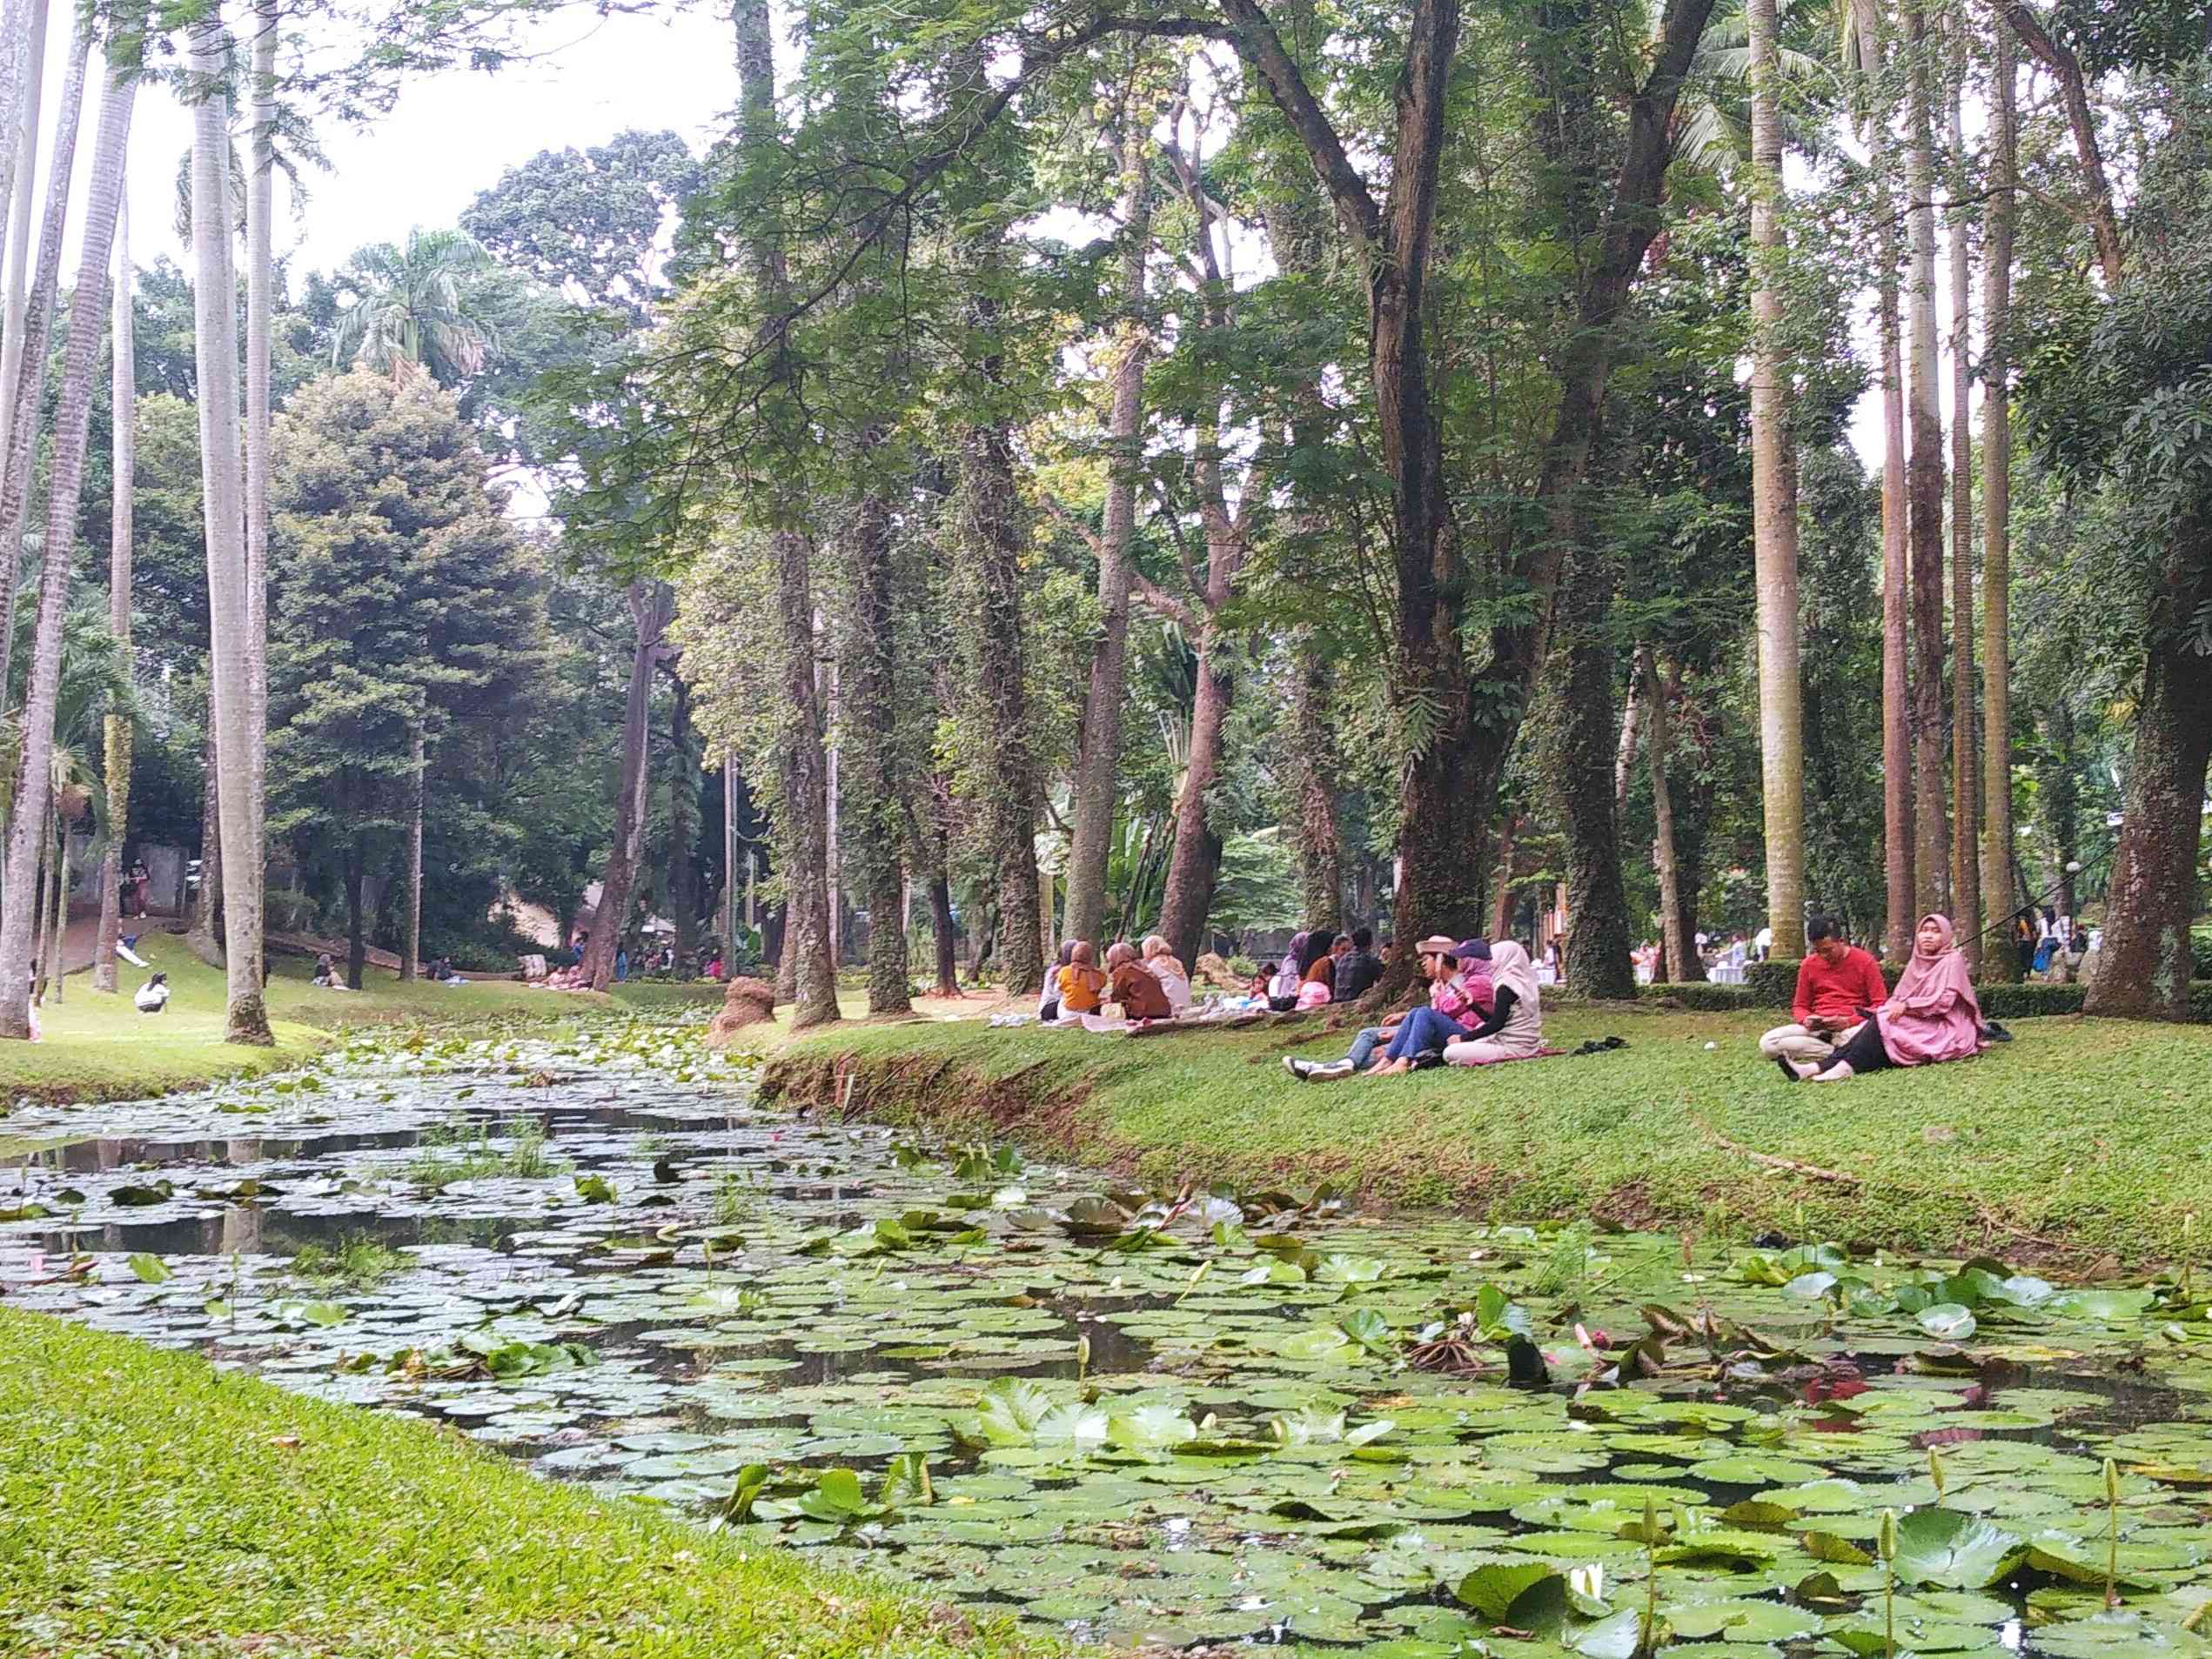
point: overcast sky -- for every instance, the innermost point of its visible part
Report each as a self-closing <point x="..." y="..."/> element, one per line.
<point x="453" y="135"/>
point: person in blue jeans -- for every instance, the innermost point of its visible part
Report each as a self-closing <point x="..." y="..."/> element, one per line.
<point x="1430" y="1026"/>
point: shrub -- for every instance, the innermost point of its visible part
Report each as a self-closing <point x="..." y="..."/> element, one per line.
<point x="1701" y="998"/>
<point x="2027" y="1001"/>
<point x="1771" y="984"/>
<point x="2201" y="953"/>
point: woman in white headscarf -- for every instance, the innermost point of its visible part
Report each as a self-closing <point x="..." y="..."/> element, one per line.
<point x="1515" y="1027"/>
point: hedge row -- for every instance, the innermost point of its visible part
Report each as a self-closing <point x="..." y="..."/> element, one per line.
<point x="1998" y="1001"/>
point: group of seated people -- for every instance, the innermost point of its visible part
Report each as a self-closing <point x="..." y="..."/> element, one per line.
<point x="1321" y="967"/>
<point x="1145" y="982"/>
<point x="1847" y="1022"/>
<point x="1483" y="1007"/>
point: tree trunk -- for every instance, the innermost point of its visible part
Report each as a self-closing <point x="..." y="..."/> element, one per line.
<point x="1996" y="512"/>
<point x="204" y="938"/>
<point x="1773" y="460"/>
<point x="231" y="608"/>
<point x="116" y="729"/>
<point x="260" y="287"/>
<point x="651" y="606"/>
<point x="2145" y="967"/>
<point x="23" y="358"/>
<point x="802" y="771"/>
<point x="1314" y="767"/>
<point x="22" y="79"/>
<point x="941" y="924"/>
<point x="1931" y="854"/>
<point x="42" y="943"/>
<point x="411" y="942"/>
<point x="64" y="485"/>
<point x="882" y="787"/>
<point x="1194" y="866"/>
<point x="1966" y="862"/>
<point x="991" y="541"/>
<point x="357" y="948"/>
<point x="1502" y="890"/>
<point x="1631" y="745"/>
<point x="57" y="958"/>
<point x="682" y="885"/>
<point x="1677" y="949"/>
<point x="1099" y="743"/>
<point x="1597" y="955"/>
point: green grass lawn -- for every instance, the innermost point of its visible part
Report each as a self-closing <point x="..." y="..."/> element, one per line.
<point x="2079" y="1138"/>
<point x="100" y="1047"/>
<point x="151" y="1505"/>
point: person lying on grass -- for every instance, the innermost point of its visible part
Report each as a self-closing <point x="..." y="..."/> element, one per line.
<point x="1931" y="1017"/>
<point x="1458" y="1000"/>
<point x="1834" y="981"/>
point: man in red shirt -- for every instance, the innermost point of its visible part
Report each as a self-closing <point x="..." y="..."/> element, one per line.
<point x="1833" y="982"/>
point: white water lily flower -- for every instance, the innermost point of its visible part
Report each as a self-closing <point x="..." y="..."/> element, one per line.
<point x="1588" y="1581"/>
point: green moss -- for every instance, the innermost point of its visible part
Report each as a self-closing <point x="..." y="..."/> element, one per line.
<point x="155" y="1506"/>
<point x="2079" y="1136"/>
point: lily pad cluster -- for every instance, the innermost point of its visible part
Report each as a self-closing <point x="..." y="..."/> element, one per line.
<point x="1172" y="1417"/>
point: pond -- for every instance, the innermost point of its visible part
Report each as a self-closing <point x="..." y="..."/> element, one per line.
<point x="1157" y="1418"/>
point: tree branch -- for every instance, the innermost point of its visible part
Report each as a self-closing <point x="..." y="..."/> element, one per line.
<point x="1165" y="603"/>
<point x="2058" y="58"/>
<point x="1261" y="47"/>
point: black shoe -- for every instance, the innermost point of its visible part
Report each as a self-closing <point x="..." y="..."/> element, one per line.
<point x="1788" y="1070"/>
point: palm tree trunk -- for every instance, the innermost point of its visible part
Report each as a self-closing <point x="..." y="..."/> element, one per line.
<point x="1679" y="956"/>
<point x="1932" y="853"/>
<point x="1775" y="510"/>
<point x="204" y="938"/>
<point x="241" y="740"/>
<point x="57" y="958"/>
<point x="411" y="944"/>
<point x="1996" y="509"/>
<point x="23" y="45"/>
<point x="22" y="358"/>
<point x="357" y="955"/>
<point x="42" y="945"/>
<point x="260" y="285"/>
<point x="1099" y="746"/>
<point x="124" y="419"/>
<point x="64" y="484"/>
<point x="1965" y="815"/>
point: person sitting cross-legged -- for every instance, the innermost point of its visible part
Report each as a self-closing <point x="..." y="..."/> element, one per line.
<point x="1834" y="981"/>
<point x="1932" y="1016"/>
<point x="1443" y="1019"/>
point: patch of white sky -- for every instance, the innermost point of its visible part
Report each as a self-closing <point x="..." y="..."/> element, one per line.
<point x="584" y="77"/>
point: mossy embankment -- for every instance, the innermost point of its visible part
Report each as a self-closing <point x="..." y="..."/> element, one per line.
<point x="2081" y="1139"/>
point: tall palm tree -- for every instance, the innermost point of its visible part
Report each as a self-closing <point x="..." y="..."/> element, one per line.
<point x="124" y="418"/>
<point x="1773" y="461"/>
<point x="240" y="743"/>
<point x="22" y="360"/>
<point x="412" y="309"/>
<point x="65" y="481"/>
<point x="260" y="288"/>
<point x="1996" y="505"/>
<point x="23" y="70"/>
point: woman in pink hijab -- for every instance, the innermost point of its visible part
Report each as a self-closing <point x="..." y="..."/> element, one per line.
<point x="1932" y="1016"/>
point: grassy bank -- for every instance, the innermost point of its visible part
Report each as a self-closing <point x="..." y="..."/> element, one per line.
<point x="2079" y="1138"/>
<point x="151" y="1504"/>
<point x="100" y="1047"/>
